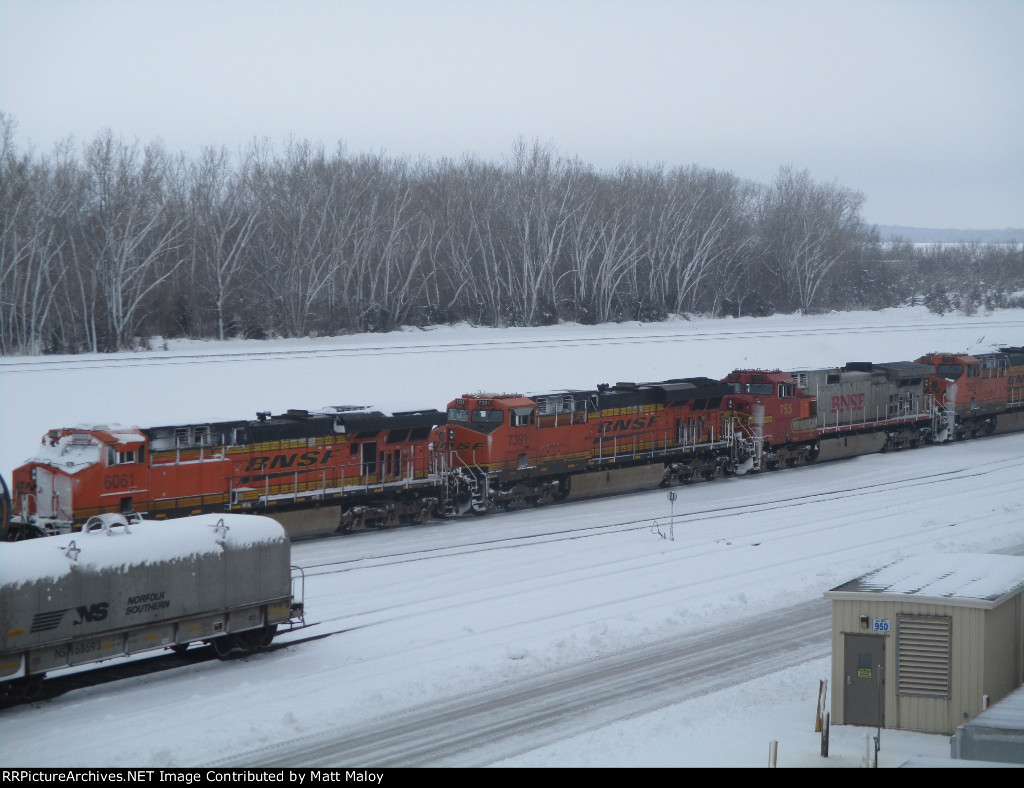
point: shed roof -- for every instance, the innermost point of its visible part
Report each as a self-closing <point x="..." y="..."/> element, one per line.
<point x="959" y="579"/>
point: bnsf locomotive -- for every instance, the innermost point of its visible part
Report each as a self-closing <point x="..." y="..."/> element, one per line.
<point x="349" y="469"/>
<point x="511" y="450"/>
<point x="377" y="465"/>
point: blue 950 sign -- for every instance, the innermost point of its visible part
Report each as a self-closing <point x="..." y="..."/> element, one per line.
<point x="880" y="624"/>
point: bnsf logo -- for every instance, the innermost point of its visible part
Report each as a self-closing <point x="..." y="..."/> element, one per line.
<point x="852" y="402"/>
<point x="626" y="425"/>
<point x="293" y="460"/>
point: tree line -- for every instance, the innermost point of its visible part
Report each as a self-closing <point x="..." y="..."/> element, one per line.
<point x="109" y="243"/>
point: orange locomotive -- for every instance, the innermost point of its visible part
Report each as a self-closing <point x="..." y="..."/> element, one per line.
<point x="982" y="394"/>
<point x="775" y="415"/>
<point x="349" y="469"/>
<point x="359" y="468"/>
<point x="511" y="450"/>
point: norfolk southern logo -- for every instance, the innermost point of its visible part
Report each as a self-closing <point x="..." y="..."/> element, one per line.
<point x="44" y="622"/>
<point x="96" y="612"/>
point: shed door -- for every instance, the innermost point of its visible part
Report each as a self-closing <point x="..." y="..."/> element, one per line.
<point x="864" y="690"/>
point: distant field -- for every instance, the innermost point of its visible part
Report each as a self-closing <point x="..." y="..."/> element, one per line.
<point x="932" y="235"/>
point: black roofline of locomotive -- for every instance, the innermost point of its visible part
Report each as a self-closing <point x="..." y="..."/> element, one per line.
<point x="622" y="394"/>
<point x="302" y="424"/>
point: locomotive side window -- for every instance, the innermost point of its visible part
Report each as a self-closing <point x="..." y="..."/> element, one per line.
<point x="115" y="457"/>
<point x="521" y="417"/>
<point x="787" y="389"/>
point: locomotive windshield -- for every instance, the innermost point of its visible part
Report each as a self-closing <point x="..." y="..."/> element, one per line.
<point x="487" y="417"/>
<point x="458" y="414"/>
<point x="950" y="371"/>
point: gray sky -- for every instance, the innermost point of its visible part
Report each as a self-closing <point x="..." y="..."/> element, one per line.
<point x="919" y="104"/>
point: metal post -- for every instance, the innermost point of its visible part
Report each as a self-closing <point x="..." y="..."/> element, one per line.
<point x="878" y="734"/>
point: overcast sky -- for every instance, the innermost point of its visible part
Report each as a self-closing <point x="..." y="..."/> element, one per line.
<point x="919" y="104"/>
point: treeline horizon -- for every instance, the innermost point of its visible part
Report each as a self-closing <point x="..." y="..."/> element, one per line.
<point x="106" y="244"/>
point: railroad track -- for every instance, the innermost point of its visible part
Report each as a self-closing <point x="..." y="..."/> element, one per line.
<point x="157" y="358"/>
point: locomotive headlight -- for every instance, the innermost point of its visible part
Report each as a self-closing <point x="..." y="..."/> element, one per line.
<point x="451" y="435"/>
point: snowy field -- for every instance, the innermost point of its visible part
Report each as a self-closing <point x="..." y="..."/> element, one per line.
<point x="432" y="617"/>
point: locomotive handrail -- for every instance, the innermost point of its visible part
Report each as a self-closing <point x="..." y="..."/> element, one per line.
<point x="299" y="574"/>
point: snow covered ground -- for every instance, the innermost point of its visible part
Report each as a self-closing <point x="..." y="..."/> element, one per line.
<point x="416" y="617"/>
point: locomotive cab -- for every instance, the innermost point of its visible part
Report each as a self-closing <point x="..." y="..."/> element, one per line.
<point x="104" y="465"/>
<point x="771" y="405"/>
<point x="977" y="391"/>
<point x="488" y="431"/>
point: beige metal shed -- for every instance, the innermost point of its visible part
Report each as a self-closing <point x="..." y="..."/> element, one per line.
<point x="924" y="643"/>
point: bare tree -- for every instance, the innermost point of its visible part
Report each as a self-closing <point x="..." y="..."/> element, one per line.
<point x="544" y="193"/>
<point x="806" y="228"/>
<point x="225" y="214"/>
<point x="132" y="239"/>
<point x="30" y="247"/>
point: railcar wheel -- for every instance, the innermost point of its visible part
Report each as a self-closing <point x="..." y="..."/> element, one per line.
<point x="267" y="635"/>
<point x="25" y="688"/>
<point x="223" y="646"/>
<point x="33" y="685"/>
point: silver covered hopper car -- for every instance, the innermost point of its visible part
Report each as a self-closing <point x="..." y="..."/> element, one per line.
<point x="119" y="588"/>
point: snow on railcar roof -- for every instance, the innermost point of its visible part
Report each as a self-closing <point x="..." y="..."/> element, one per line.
<point x="146" y="542"/>
<point x="962" y="579"/>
